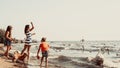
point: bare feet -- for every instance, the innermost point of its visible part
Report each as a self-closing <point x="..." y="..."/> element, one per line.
<point x="40" y="65"/>
<point x="7" y="56"/>
<point x="46" y="66"/>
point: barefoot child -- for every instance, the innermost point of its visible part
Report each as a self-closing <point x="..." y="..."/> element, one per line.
<point x="8" y="40"/>
<point x="17" y="56"/>
<point x="44" y="48"/>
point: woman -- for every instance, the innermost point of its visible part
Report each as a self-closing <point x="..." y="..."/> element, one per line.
<point x="28" y="39"/>
<point x="8" y="40"/>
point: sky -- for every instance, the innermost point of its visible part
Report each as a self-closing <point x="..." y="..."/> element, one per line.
<point x="63" y="20"/>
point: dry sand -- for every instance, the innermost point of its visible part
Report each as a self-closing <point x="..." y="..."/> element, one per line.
<point x="7" y="63"/>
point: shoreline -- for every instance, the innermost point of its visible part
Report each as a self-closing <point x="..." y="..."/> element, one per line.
<point x="7" y="63"/>
<point x="55" y="60"/>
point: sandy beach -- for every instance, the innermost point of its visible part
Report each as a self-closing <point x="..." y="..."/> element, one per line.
<point x="7" y="63"/>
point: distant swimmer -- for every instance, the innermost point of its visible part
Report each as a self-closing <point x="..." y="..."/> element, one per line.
<point x="82" y="45"/>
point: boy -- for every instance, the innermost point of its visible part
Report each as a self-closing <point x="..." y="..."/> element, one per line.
<point x="44" y="48"/>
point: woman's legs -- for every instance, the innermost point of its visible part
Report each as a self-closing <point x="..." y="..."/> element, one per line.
<point x="28" y="51"/>
<point x="25" y="47"/>
<point x="7" y="51"/>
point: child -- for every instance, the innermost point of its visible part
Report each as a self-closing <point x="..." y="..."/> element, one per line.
<point x="17" y="56"/>
<point x="28" y="39"/>
<point x="8" y="40"/>
<point x="44" y="48"/>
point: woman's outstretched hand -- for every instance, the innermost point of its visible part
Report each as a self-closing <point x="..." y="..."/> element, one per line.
<point x="31" y="23"/>
<point x="32" y="27"/>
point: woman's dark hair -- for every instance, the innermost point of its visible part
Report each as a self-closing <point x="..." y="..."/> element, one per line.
<point x="26" y="28"/>
<point x="9" y="28"/>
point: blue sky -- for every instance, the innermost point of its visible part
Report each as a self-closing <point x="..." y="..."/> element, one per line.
<point x="63" y="19"/>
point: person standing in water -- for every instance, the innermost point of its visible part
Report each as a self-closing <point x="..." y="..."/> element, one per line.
<point x="44" y="48"/>
<point x="28" y="39"/>
<point x="8" y="40"/>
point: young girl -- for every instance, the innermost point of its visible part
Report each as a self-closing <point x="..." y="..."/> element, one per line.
<point x="8" y="40"/>
<point x="28" y="39"/>
<point x="44" y="48"/>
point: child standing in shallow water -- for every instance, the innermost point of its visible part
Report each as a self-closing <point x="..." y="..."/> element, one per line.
<point x="44" y="48"/>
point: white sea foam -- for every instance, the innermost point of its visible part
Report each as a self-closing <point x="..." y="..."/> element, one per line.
<point x="73" y="51"/>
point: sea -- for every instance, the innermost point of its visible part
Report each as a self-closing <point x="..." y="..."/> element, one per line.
<point x="74" y="54"/>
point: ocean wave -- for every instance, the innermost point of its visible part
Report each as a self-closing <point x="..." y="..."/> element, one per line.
<point x="64" y="58"/>
<point x="75" y="49"/>
<point x="81" y="63"/>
